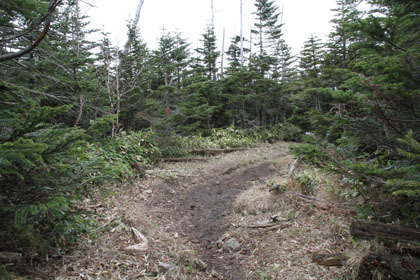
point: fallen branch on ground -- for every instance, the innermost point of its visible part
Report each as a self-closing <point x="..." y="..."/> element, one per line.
<point x="140" y="247"/>
<point x="329" y="259"/>
<point x="215" y="151"/>
<point x="273" y="223"/>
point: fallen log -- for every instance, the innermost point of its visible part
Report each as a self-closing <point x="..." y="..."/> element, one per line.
<point x="329" y="259"/>
<point x="208" y="152"/>
<point x="183" y="159"/>
<point x="386" y="232"/>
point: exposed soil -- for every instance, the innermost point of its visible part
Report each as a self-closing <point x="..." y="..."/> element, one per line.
<point x="203" y="208"/>
<point x="209" y="204"/>
<point x="188" y="211"/>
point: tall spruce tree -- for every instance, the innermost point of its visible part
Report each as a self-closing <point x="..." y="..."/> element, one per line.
<point x="168" y="68"/>
<point x="344" y="34"/>
<point x="267" y="32"/>
<point x="208" y="54"/>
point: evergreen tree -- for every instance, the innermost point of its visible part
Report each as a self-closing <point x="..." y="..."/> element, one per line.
<point x="208" y="54"/>
<point x="169" y="69"/>
<point x="342" y="37"/>
<point x="310" y="60"/>
<point x="234" y="54"/>
<point x="134" y="80"/>
<point x="44" y="166"/>
<point x="267" y="32"/>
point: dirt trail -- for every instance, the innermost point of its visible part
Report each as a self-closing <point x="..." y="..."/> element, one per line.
<point x="186" y="209"/>
<point x="209" y="204"/>
<point x="208" y="191"/>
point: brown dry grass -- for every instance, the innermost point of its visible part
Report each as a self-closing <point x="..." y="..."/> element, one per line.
<point x="286" y="253"/>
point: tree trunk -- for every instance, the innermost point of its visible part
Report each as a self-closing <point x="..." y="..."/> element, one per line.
<point x="223" y="52"/>
<point x="242" y="34"/>
<point x="212" y="14"/>
<point x="77" y="39"/>
<point x="135" y="22"/>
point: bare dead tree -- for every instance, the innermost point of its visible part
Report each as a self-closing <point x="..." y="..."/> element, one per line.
<point x="242" y="35"/>
<point x="133" y="27"/>
<point x="223" y="52"/>
<point x="212" y="14"/>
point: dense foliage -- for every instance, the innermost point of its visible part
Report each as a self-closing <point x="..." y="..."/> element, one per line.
<point x="75" y="113"/>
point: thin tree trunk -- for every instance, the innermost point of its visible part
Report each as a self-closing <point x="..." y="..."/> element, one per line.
<point x="223" y="52"/>
<point x="77" y="39"/>
<point x="135" y="22"/>
<point x="242" y="34"/>
<point x="212" y="14"/>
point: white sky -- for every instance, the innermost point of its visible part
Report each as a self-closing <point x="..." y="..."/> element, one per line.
<point x="190" y="17"/>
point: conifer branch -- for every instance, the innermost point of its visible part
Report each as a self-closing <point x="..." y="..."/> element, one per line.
<point x="48" y="18"/>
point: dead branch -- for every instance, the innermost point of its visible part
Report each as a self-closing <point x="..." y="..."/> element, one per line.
<point x="208" y="152"/>
<point x="141" y="247"/>
<point x="294" y="166"/>
<point x="329" y="259"/>
<point x="273" y="223"/>
<point x="48" y="18"/>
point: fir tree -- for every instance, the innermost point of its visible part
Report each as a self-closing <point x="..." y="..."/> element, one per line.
<point x="267" y="32"/>
<point x="208" y="54"/>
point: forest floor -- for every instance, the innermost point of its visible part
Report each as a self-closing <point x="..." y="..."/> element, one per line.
<point x="212" y="219"/>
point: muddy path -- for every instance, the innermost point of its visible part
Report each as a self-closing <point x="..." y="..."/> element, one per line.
<point x="209" y="204"/>
<point x="204" y="194"/>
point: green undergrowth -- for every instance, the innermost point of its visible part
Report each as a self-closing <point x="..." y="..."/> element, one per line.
<point x="46" y="171"/>
<point x="388" y="183"/>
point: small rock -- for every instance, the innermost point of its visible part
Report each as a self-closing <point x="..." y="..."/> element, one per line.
<point x="195" y="241"/>
<point x="202" y="266"/>
<point x="214" y="273"/>
<point x="232" y="245"/>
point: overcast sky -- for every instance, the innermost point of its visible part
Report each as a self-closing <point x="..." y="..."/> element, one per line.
<point x="190" y="17"/>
